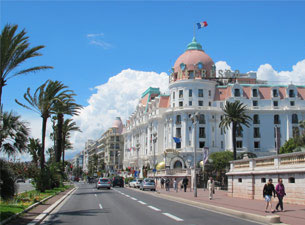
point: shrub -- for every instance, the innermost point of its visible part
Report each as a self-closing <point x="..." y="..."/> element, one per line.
<point x="8" y="187"/>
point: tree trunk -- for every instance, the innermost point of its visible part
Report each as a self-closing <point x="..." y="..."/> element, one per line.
<point x="1" y="86"/>
<point x="63" y="153"/>
<point x="234" y="139"/>
<point x="44" y="127"/>
<point x="58" y="148"/>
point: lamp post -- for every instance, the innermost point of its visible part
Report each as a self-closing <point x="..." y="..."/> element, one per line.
<point x="155" y="140"/>
<point x="194" y="118"/>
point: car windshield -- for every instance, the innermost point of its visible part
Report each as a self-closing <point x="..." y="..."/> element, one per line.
<point x="104" y="180"/>
<point x="149" y="181"/>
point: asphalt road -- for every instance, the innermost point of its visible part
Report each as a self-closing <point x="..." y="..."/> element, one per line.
<point x="22" y="187"/>
<point x="121" y="206"/>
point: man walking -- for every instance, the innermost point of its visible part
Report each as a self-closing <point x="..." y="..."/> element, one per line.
<point x="185" y="182"/>
<point x="211" y="187"/>
<point x="167" y="181"/>
<point x="280" y="192"/>
<point x="162" y="182"/>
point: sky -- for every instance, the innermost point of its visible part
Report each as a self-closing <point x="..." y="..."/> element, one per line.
<point x="109" y="52"/>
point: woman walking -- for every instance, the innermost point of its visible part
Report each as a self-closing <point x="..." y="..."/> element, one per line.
<point x="267" y="193"/>
<point x="175" y="184"/>
<point x="280" y="192"/>
<point x="211" y="187"/>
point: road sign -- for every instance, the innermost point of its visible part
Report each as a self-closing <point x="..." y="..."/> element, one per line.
<point x="154" y="170"/>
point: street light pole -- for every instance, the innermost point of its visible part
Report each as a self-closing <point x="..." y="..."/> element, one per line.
<point x="195" y="120"/>
<point x="155" y="140"/>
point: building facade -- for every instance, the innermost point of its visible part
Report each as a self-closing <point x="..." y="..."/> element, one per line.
<point x="161" y="129"/>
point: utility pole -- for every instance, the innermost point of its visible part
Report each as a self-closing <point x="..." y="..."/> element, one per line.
<point x="155" y="140"/>
<point x="194" y="118"/>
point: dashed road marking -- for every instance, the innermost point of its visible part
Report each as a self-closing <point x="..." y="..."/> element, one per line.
<point x="143" y="203"/>
<point x="127" y="196"/>
<point x="133" y="198"/>
<point x="173" y="217"/>
<point x="154" y="208"/>
<point x="95" y="195"/>
<point x="100" y="205"/>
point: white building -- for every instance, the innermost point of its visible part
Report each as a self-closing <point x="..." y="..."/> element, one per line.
<point x="194" y="88"/>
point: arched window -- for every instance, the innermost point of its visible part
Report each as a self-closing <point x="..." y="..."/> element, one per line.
<point x="177" y="164"/>
<point x="237" y="92"/>
<point x="294" y="118"/>
<point x="276" y="119"/>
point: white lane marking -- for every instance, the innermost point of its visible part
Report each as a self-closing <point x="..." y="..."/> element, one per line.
<point x="100" y="205"/>
<point x="173" y="217"/>
<point x="143" y="203"/>
<point x="133" y="198"/>
<point x="95" y="195"/>
<point x="127" y="196"/>
<point x="154" y="208"/>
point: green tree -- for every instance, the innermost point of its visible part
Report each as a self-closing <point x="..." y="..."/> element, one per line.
<point x="289" y="146"/>
<point x="235" y="115"/>
<point x="42" y="102"/>
<point x="34" y="147"/>
<point x="15" y="50"/>
<point x="14" y="134"/>
<point x="221" y="160"/>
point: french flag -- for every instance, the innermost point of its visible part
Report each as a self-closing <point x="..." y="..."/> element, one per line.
<point x="202" y="24"/>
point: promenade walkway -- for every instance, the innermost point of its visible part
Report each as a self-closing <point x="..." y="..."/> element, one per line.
<point x="293" y="214"/>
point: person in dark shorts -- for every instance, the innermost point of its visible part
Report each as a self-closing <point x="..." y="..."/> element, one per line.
<point x="267" y="193"/>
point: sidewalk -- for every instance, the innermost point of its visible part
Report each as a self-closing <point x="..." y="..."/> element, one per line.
<point x="294" y="214"/>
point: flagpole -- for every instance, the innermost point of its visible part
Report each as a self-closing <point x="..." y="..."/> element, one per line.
<point x="194" y="30"/>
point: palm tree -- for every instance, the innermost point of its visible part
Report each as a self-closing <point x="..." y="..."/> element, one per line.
<point x="235" y="115"/>
<point x="15" y="50"/>
<point x="68" y="126"/>
<point x="66" y="106"/>
<point x="34" y="148"/>
<point x="14" y="134"/>
<point x="42" y="102"/>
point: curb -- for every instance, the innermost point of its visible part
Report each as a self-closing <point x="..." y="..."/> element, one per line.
<point x="244" y="215"/>
<point x="45" y="213"/>
<point x="27" y="209"/>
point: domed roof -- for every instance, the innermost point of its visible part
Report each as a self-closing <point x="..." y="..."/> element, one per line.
<point x="117" y="123"/>
<point x="194" y="58"/>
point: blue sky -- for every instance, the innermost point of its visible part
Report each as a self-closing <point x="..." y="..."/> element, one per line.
<point x="149" y="36"/>
<point x="93" y="43"/>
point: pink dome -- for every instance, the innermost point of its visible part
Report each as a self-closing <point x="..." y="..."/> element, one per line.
<point x="195" y="60"/>
<point x="117" y="123"/>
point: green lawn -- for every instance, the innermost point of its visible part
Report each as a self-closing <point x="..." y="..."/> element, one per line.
<point x="24" y="200"/>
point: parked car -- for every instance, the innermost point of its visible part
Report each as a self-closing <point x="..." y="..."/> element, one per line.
<point x="118" y="181"/>
<point x="132" y="183"/>
<point x="103" y="183"/>
<point x="135" y="183"/>
<point x="20" y="180"/>
<point x="76" y="179"/>
<point x="148" y="183"/>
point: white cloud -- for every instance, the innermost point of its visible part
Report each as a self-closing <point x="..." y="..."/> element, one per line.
<point x="97" y="39"/>
<point x="296" y="75"/>
<point x="221" y="66"/>
<point x="95" y="35"/>
<point x="118" y="97"/>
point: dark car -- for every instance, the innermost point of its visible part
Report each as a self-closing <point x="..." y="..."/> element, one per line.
<point x="20" y="180"/>
<point x="118" y="181"/>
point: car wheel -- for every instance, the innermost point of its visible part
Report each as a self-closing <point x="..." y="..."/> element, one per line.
<point x="109" y="188"/>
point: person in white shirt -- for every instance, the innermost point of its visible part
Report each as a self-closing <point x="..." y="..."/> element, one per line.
<point x="211" y="187"/>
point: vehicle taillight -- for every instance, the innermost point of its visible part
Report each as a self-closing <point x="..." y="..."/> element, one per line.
<point x="99" y="182"/>
<point x="109" y="182"/>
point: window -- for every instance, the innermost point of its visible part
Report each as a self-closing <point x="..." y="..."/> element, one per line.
<point x="190" y="93"/>
<point x="117" y="138"/>
<point x="276" y="119"/>
<point x="294" y="118"/>
<point x="173" y="95"/>
<point x="239" y="132"/>
<point x="255" y="119"/>
<point x="256" y="133"/>
<point x="255" y="103"/>
<point x="112" y="146"/>
<point x="180" y="93"/>
<point x="178" y="119"/>
<point x="112" y="138"/>
<point x="292" y="103"/>
<point x="178" y="145"/>
<point x="210" y="93"/>
<point x="254" y="93"/>
<point x="191" y="74"/>
<point x="263" y="180"/>
<point x="178" y="132"/>
<point x="117" y="146"/>
<point x="201" y="144"/>
<point x="239" y="144"/>
<point x="256" y="144"/>
<point x="291" y="180"/>
<point x="200" y="93"/>
<point x="210" y="104"/>
<point x="275" y="93"/>
<point x="200" y="103"/>
<point x="190" y="103"/>
<point x="240" y="180"/>
<point x="180" y="104"/>
<point x="275" y="103"/>
<point x="291" y="94"/>
<point x="221" y="144"/>
<point x="236" y="92"/>
<point x="201" y="119"/>
<point x="201" y="132"/>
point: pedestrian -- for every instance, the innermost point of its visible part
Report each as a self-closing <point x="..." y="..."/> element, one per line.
<point x="280" y="192"/>
<point x="162" y="183"/>
<point x="185" y="182"/>
<point x="267" y="193"/>
<point x="175" y="185"/>
<point x="211" y="187"/>
<point x="167" y="182"/>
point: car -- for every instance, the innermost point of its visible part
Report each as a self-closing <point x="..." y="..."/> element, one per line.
<point x="138" y="183"/>
<point x="118" y="181"/>
<point x="103" y="183"/>
<point x="132" y="183"/>
<point x="20" y="180"/>
<point x="76" y="179"/>
<point x="148" y="183"/>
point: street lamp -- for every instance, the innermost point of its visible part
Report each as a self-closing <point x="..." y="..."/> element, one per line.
<point x="194" y="118"/>
<point x="155" y="140"/>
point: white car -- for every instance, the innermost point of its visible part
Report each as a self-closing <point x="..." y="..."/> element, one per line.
<point x="132" y="183"/>
<point x="135" y="183"/>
